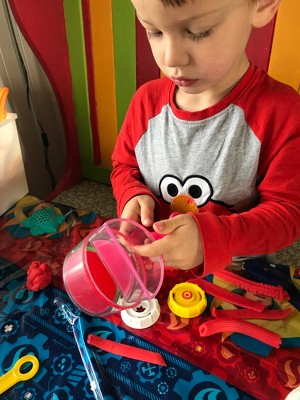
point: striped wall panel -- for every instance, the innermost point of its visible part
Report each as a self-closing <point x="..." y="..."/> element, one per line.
<point x="95" y="54"/>
<point x="285" y="56"/>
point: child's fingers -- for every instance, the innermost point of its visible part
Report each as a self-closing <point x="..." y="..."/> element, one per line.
<point x="169" y="225"/>
<point x="147" y="211"/>
<point x="151" y="250"/>
<point x="126" y="228"/>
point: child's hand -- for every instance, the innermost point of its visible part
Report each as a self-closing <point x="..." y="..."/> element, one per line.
<point x="140" y="209"/>
<point x="182" y="245"/>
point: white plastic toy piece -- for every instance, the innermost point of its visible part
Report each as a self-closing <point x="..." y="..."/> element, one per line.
<point x="143" y="316"/>
<point x="294" y="395"/>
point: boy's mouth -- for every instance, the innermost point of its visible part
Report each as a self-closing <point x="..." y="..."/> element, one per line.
<point x="183" y="82"/>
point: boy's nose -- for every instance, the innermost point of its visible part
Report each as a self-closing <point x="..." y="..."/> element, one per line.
<point x="175" y="54"/>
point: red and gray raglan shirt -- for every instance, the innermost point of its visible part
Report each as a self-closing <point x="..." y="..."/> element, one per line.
<point x="239" y="160"/>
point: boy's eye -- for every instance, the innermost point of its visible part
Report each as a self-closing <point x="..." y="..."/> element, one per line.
<point x="153" y="34"/>
<point x="199" y="35"/>
<point x="194" y="36"/>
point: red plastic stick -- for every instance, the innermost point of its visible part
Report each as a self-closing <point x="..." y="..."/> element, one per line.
<point x="126" y="350"/>
<point x="236" y="325"/>
<point x="276" y="292"/>
<point x="250" y="314"/>
<point x="228" y="296"/>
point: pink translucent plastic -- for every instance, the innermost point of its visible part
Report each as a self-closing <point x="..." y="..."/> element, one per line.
<point x="103" y="274"/>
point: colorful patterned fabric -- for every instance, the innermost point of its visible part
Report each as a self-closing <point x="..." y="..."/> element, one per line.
<point x="212" y="367"/>
<point x="31" y="323"/>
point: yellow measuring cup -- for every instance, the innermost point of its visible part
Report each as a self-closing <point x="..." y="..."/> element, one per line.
<point x="16" y="375"/>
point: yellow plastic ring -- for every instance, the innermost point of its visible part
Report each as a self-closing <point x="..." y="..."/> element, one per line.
<point x="187" y="300"/>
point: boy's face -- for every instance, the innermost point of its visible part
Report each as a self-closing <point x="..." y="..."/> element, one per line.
<point x="200" y="45"/>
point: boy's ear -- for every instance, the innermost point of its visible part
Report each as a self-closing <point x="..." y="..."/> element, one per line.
<point x="265" y="11"/>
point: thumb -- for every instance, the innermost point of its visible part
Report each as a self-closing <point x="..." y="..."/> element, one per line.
<point x="165" y="226"/>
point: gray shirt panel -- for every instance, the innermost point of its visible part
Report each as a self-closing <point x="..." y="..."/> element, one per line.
<point x="223" y="149"/>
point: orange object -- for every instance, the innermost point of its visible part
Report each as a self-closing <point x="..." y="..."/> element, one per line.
<point x="101" y="14"/>
<point x="3" y="96"/>
<point x="183" y="203"/>
<point x="285" y="55"/>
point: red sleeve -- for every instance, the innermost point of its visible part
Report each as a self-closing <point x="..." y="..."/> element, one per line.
<point x="126" y="179"/>
<point x="274" y="222"/>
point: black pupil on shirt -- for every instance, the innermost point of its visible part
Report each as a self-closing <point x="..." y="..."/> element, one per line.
<point x="195" y="191"/>
<point x="172" y="190"/>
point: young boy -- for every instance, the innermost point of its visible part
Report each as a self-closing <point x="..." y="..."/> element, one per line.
<point x="216" y="128"/>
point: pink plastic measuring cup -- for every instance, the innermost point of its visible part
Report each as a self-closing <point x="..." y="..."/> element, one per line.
<point x="103" y="274"/>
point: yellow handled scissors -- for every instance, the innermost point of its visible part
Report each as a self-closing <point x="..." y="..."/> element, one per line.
<point x="16" y="375"/>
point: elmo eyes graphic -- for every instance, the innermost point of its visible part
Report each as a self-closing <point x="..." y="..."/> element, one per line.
<point x="198" y="187"/>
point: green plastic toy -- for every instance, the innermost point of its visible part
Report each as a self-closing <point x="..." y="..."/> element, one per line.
<point x="44" y="220"/>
